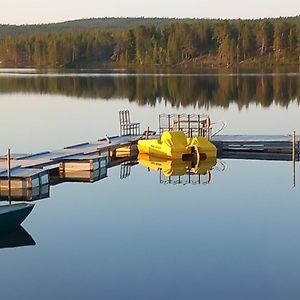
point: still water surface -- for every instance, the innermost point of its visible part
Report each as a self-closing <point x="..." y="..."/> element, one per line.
<point x="136" y="238"/>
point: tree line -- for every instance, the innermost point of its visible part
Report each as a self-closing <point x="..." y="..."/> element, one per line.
<point x="206" y="42"/>
<point x="177" y="91"/>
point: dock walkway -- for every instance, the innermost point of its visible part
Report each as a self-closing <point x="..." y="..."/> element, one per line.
<point x="275" y="147"/>
<point x="89" y="162"/>
<point x="32" y="170"/>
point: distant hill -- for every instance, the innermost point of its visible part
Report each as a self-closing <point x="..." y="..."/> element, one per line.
<point x="105" y="24"/>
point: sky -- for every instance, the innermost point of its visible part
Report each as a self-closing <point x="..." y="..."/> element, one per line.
<point x="49" y="11"/>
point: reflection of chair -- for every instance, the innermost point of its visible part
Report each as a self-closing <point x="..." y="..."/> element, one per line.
<point x="126" y="127"/>
<point x="125" y="170"/>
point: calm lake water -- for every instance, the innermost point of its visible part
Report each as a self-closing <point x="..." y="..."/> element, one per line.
<point x="138" y="238"/>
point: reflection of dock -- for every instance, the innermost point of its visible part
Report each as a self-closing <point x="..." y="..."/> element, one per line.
<point x="179" y="171"/>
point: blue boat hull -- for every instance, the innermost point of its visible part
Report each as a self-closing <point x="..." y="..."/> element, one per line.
<point x="14" y="218"/>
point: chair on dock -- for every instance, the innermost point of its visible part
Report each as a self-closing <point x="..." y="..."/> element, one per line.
<point x="126" y="127"/>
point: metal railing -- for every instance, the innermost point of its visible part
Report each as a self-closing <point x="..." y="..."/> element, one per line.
<point x="191" y="124"/>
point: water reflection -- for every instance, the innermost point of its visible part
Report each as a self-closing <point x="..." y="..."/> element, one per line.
<point x="179" y="171"/>
<point x="179" y="90"/>
<point x="15" y="237"/>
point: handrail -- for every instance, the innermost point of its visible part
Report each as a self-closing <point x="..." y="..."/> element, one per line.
<point x="221" y="168"/>
<point x="224" y="124"/>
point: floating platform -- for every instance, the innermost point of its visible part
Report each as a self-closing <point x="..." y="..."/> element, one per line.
<point x="31" y="174"/>
<point x="260" y="147"/>
<point x="23" y="178"/>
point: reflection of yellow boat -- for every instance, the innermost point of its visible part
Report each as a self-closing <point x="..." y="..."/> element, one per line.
<point x="175" y="167"/>
<point x="175" y="145"/>
<point x="204" y="165"/>
<point x="168" y="167"/>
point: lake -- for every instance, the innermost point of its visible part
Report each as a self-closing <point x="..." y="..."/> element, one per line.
<point x="140" y="237"/>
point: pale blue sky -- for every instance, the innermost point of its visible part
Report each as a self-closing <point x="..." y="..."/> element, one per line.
<point x="45" y="11"/>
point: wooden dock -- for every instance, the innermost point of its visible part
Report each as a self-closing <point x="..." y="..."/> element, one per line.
<point x="32" y="174"/>
<point x="85" y="162"/>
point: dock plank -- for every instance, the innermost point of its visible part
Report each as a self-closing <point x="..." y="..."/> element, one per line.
<point x="84" y="150"/>
<point x="254" y="138"/>
<point x="256" y="143"/>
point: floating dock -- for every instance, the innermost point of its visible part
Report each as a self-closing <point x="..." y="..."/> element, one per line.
<point x="259" y="147"/>
<point x="30" y="175"/>
<point x="85" y="162"/>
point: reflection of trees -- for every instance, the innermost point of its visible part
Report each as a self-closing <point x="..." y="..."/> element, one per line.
<point x="182" y="90"/>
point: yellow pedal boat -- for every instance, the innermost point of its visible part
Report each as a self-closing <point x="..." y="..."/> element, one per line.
<point x="175" y="145"/>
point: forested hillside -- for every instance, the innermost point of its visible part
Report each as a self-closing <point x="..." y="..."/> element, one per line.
<point x="168" y="42"/>
<point x="105" y="24"/>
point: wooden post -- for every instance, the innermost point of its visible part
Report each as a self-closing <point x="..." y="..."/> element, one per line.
<point x="8" y="175"/>
<point x="147" y="133"/>
<point x="294" y="158"/>
<point x="189" y="126"/>
<point x="208" y="127"/>
<point x="294" y="145"/>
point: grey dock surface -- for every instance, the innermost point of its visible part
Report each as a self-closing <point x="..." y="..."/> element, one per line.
<point x="32" y="174"/>
<point x="264" y="147"/>
<point x="80" y="162"/>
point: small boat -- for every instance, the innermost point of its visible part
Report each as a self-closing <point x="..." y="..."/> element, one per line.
<point x="175" y="145"/>
<point x="13" y="215"/>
